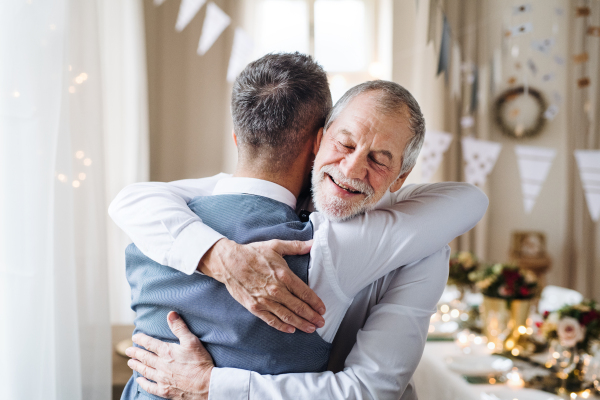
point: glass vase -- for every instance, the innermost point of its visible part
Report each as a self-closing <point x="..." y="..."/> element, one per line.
<point x="501" y="319"/>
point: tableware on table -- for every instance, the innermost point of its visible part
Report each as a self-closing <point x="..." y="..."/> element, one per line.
<point x="479" y="365"/>
<point x="501" y="393"/>
<point x="442" y="330"/>
<point x="472" y="343"/>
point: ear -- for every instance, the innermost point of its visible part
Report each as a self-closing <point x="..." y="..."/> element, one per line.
<point x="399" y="182"/>
<point x="234" y="138"/>
<point x="317" y="143"/>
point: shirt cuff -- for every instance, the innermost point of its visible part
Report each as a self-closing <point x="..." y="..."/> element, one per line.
<point x="190" y="245"/>
<point x="229" y="383"/>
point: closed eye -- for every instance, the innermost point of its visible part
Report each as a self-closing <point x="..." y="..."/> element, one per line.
<point x="377" y="162"/>
<point x="346" y="146"/>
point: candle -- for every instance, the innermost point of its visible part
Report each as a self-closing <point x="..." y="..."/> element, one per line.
<point x="515" y="379"/>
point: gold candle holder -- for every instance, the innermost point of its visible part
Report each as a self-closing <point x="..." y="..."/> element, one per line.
<point x="502" y="319"/>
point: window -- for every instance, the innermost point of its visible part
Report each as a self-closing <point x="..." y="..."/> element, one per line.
<point x="350" y="38"/>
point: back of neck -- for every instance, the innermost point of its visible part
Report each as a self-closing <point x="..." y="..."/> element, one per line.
<point x="289" y="180"/>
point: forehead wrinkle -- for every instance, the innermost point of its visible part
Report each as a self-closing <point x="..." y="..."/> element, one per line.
<point x="385" y="153"/>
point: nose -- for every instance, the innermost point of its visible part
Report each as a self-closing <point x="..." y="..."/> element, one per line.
<point x="353" y="166"/>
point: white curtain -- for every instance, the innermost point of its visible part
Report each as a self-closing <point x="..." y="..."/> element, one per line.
<point x="54" y="307"/>
<point x="125" y="106"/>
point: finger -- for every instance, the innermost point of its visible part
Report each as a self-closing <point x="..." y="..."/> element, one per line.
<point x="179" y="328"/>
<point x="301" y="310"/>
<point x="145" y="357"/>
<point x="274" y="321"/>
<point x="146" y="371"/>
<point x="288" y="317"/>
<point x="154" y="345"/>
<point x="301" y="290"/>
<point x="151" y="387"/>
<point x="291" y="247"/>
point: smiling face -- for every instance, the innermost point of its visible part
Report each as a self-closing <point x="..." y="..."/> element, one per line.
<point x="360" y="158"/>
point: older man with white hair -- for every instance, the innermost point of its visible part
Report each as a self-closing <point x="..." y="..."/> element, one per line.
<point x="370" y="144"/>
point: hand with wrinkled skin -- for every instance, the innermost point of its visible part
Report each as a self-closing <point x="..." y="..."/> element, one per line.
<point x="181" y="371"/>
<point x="257" y="276"/>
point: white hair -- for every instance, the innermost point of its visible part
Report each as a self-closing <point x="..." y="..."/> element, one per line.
<point x="393" y="98"/>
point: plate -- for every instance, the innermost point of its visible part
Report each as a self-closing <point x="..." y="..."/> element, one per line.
<point x="479" y="365"/>
<point x="443" y="330"/>
<point x="517" y="394"/>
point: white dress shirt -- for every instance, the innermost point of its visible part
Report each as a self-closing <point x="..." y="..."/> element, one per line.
<point x="418" y="220"/>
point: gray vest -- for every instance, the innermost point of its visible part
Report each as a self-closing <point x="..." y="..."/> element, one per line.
<point x="232" y="335"/>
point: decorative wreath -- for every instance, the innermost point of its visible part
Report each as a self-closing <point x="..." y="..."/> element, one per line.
<point x="500" y="115"/>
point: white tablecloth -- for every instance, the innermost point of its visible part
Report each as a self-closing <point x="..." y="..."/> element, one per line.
<point x="435" y="381"/>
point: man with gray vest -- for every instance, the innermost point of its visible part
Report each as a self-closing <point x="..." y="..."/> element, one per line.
<point x="370" y="144"/>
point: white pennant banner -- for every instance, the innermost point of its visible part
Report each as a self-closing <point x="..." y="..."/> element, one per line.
<point x="588" y="162"/>
<point x="240" y="54"/>
<point x="187" y="11"/>
<point x="158" y="2"/>
<point x="480" y="157"/>
<point x="434" y="146"/>
<point x="534" y="165"/>
<point x="456" y="72"/>
<point x="215" y="23"/>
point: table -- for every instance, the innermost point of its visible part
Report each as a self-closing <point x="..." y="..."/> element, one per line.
<point x="435" y="381"/>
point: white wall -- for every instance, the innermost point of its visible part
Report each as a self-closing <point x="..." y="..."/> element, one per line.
<point x="506" y="213"/>
<point x="415" y="67"/>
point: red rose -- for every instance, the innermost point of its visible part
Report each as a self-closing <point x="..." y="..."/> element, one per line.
<point x="524" y="292"/>
<point x="539" y="324"/>
<point x="510" y="276"/>
<point x="588" y="317"/>
<point x="546" y="313"/>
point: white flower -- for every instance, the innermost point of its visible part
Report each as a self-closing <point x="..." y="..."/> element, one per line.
<point x="553" y="318"/>
<point x="570" y="332"/>
<point x="497" y="268"/>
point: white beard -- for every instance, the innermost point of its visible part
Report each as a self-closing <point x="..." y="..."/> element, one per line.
<point x="334" y="208"/>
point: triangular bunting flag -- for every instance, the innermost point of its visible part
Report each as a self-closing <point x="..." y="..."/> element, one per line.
<point x="215" y="23"/>
<point x="480" y="157"/>
<point x="456" y="83"/>
<point x="588" y="162"/>
<point x="187" y="11"/>
<point x="534" y="164"/>
<point x="474" y="91"/>
<point x="434" y="29"/>
<point x="434" y="147"/>
<point x="158" y="2"/>
<point x="444" y="60"/>
<point x="240" y="54"/>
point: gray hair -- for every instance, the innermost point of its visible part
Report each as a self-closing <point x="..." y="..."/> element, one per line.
<point x="278" y="103"/>
<point x="392" y="100"/>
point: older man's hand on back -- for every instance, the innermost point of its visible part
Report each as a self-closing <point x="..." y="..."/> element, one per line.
<point x="257" y="277"/>
<point x="179" y="371"/>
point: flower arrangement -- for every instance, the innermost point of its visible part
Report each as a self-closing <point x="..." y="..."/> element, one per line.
<point x="505" y="281"/>
<point x="574" y="326"/>
<point x="461" y="265"/>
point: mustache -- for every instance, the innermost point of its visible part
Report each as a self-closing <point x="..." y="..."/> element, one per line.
<point x="340" y="178"/>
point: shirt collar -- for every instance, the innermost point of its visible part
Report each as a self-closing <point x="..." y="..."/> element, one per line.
<point x="258" y="187"/>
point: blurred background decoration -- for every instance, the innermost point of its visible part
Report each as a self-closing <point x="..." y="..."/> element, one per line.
<point x="98" y="94"/>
